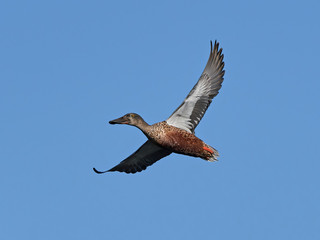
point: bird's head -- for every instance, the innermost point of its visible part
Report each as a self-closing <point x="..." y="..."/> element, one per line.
<point x="130" y="119"/>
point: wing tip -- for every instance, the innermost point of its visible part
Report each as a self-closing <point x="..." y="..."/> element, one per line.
<point x="114" y="169"/>
<point x="215" y="51"/>
<point x="215" y="46"/>
<point x="99" y="172"/>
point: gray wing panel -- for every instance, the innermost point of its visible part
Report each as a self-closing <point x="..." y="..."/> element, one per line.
<point x="188" y="115"/>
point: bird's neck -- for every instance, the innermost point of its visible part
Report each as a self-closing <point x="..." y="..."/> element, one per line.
<point x="143" y="126"/>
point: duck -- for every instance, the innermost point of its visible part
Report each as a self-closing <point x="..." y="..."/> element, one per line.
<point x="177" y="133"/>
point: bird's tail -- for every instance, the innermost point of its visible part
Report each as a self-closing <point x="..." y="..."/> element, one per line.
<point x="214" y="154"/>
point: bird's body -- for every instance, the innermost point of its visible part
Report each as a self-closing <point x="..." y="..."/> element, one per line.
<point x="176" y="134"/>
<point x="179" y="141"/>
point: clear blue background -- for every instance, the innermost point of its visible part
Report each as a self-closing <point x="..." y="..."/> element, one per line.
<point x="68" y="67"/>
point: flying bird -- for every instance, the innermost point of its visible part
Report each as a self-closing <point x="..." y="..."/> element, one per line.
<point x="176" y="134"/>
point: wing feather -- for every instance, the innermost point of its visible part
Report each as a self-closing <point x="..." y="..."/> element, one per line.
<point x="145" y="156"/>
<point x="188" y="115"/>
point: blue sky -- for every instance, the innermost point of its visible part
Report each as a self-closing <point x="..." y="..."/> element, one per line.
<point x="68" y="67"/>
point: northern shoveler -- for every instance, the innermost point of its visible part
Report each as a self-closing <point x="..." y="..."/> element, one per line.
<point x="176" y="134"/>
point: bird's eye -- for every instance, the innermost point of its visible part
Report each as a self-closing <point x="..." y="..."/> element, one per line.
<point x="132" y="115"/>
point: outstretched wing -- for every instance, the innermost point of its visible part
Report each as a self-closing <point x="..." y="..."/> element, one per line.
<point x="188" y="115"/>
<point x="145" y="156"/>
